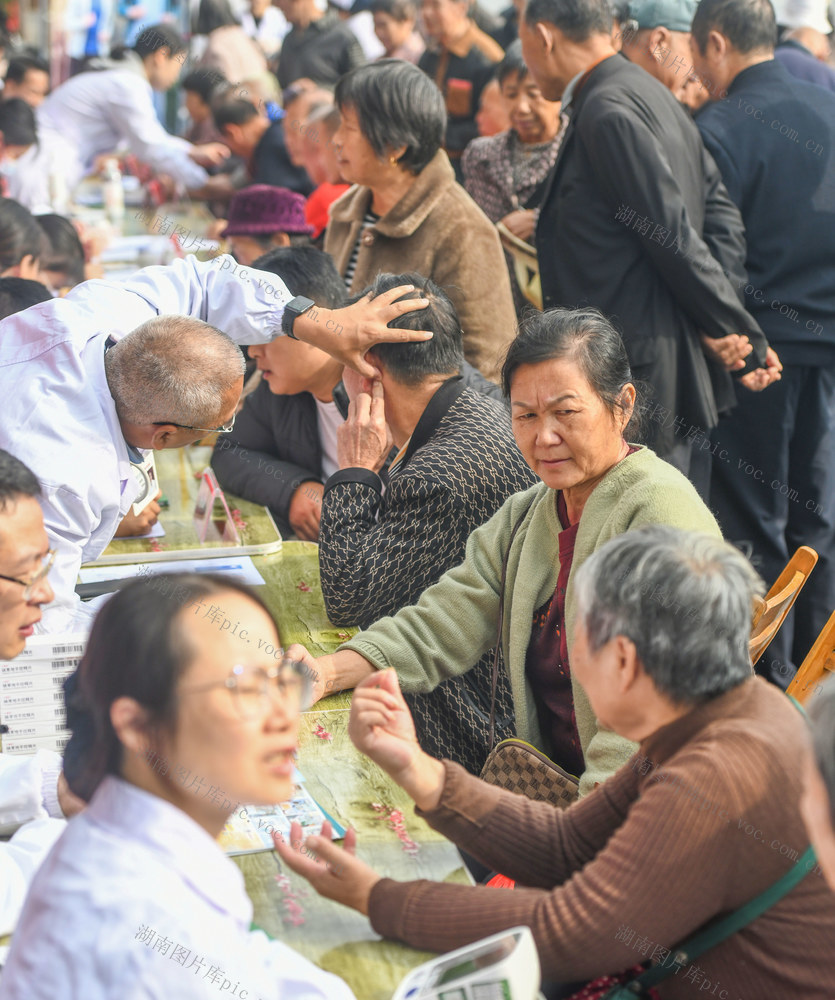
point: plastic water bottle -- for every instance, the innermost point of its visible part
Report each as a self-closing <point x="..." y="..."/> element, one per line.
<point x="113" y="193"/>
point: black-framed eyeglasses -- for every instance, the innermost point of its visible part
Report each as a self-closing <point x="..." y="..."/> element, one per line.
<point x="225" y="429"/>
<point x="30" y="584"/>
<point x="253" y="687"/>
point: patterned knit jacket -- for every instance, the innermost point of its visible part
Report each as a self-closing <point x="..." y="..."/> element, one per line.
<point x="379" y="551"/>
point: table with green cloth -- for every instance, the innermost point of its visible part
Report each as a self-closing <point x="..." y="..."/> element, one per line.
<point x="390" y="837"/>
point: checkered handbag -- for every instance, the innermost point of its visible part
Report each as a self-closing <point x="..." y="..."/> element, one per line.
<point x="514" y="764"/>
<point x="519" y="767"/>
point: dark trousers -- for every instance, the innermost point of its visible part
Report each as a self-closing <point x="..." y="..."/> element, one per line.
<point x="692" y="460"/>
<point x="773" y="489"/>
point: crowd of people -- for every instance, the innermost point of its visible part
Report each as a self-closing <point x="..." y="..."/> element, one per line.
<point x="548" y="499"/>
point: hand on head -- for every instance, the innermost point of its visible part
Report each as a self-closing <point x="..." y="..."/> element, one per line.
<point x="346" y="334"/>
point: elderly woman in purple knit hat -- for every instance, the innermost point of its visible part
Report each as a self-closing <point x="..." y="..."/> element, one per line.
<point x="262" y="217"/>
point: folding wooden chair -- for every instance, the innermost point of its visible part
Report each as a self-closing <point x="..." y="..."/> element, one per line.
<point x="770" y="614"/>
<point x="525" y="265"/>
<point x="819" y="660"/>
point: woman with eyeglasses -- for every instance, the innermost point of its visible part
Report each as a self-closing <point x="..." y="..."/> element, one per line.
<point x="183" y="709"/>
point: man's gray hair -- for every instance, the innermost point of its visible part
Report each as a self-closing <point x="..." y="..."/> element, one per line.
<point x="822" y="717"/>
<point x="684" y="599"/>
<point x="172" y="368"/>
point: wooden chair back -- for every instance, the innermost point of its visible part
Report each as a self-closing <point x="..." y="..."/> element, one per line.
<point x="770" y="614"/>
<point x="525" y="265"/>
<point x="819" y="660"/>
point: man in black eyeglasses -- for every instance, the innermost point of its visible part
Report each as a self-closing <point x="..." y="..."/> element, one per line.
<point x="33" y="791"/>
<point x="93" y="382"/>
<point x="25" y="556"/>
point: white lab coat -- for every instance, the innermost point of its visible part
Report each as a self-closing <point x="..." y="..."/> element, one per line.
<point x="28" y="798"/>
<point x="269" y="32"/>
<point x="98" y="111"/>
<point x="60" y="419"/>
<point x="138" y="901"/>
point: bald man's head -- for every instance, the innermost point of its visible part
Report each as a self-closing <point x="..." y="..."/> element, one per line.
<point x="175" y="369"/>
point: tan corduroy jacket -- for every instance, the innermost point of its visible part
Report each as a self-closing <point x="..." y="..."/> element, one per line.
<point x="437" y="230"/>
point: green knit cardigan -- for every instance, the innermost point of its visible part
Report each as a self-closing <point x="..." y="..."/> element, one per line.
<point x="454" y="622"/>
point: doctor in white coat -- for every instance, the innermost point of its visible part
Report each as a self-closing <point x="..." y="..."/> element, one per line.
<point x="34" y="797"/>
<point x="101" y="111"/>
<point x="59" y="411"/>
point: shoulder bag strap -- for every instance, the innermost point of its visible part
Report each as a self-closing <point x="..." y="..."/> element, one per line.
<point x="500" y="625"/>
<point x="722" y="929"/>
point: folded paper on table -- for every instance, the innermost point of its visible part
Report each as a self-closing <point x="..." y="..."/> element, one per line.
<point x="250" y="829"/>
<point x="240" y="567"/>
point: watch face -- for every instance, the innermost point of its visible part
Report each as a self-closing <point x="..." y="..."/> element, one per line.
<point x="143" y="481"/>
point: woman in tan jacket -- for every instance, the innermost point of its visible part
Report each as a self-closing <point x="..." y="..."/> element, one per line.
<point x="405" y="211"/>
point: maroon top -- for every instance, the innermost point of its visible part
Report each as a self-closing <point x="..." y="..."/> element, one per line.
<point x="546" y="662"/>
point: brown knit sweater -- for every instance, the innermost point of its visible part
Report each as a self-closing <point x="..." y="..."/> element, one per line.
<point x="703" y="819"/>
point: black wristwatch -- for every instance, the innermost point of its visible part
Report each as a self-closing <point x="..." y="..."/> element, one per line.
<point x="294" y="308"/>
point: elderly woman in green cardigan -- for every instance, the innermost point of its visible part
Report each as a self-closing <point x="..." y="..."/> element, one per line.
<point x="573" y="405"/>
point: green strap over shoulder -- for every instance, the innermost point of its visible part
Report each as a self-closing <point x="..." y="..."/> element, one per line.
<point x="721" y="929"/>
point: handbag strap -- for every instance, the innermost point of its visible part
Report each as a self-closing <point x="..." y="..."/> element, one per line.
<point x="500" y="625"/>
<point x="720" y="930"/>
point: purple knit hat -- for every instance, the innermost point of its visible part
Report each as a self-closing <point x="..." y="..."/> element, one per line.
<point x="262" y="208"/>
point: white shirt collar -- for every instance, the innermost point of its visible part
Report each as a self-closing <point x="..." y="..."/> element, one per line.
<point x="568" y="93"/>
<point x="161" y="827"/>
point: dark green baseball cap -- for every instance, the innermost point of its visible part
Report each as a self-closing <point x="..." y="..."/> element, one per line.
<point x="675" y="15"/>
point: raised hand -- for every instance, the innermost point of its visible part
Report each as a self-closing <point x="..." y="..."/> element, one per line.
<point x="381" y="726"/>
<point x="364" y="439"/>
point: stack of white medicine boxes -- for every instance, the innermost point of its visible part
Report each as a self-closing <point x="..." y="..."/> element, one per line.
<point x="32" y="712"/>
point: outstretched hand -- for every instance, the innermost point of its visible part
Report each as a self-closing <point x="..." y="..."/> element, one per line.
<point x="334" y="872"/>
<point x="346" y="334"/>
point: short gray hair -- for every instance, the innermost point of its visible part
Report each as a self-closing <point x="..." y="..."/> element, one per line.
<point x="822" y="718"/>
<point x="683" y="598"/>
<point x="172" y="368"/>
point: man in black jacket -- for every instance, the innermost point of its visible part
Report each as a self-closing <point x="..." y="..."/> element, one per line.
<point x="319" y="46"/>
<point x="773" y="137"/>
<point x="633" y="220"/>
<point x="381" y="545"/>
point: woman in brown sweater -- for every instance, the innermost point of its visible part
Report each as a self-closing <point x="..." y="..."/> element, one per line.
<point x="700" y="821"/>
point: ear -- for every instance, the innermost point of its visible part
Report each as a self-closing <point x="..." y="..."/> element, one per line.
<point x="717" y="45"/>
<point x="130" y="720"/>
<point x="627" y="405"/>
<point x="161" y="436"/>
<point x="628" y="669"/>
<point x="281" y="240"/>
<point x="658" y="38"/>
<point x="544" y="35"/>
<point x="232" y="132"/>
<point x="29" y="267"/>
<point x="375" y="362"/>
